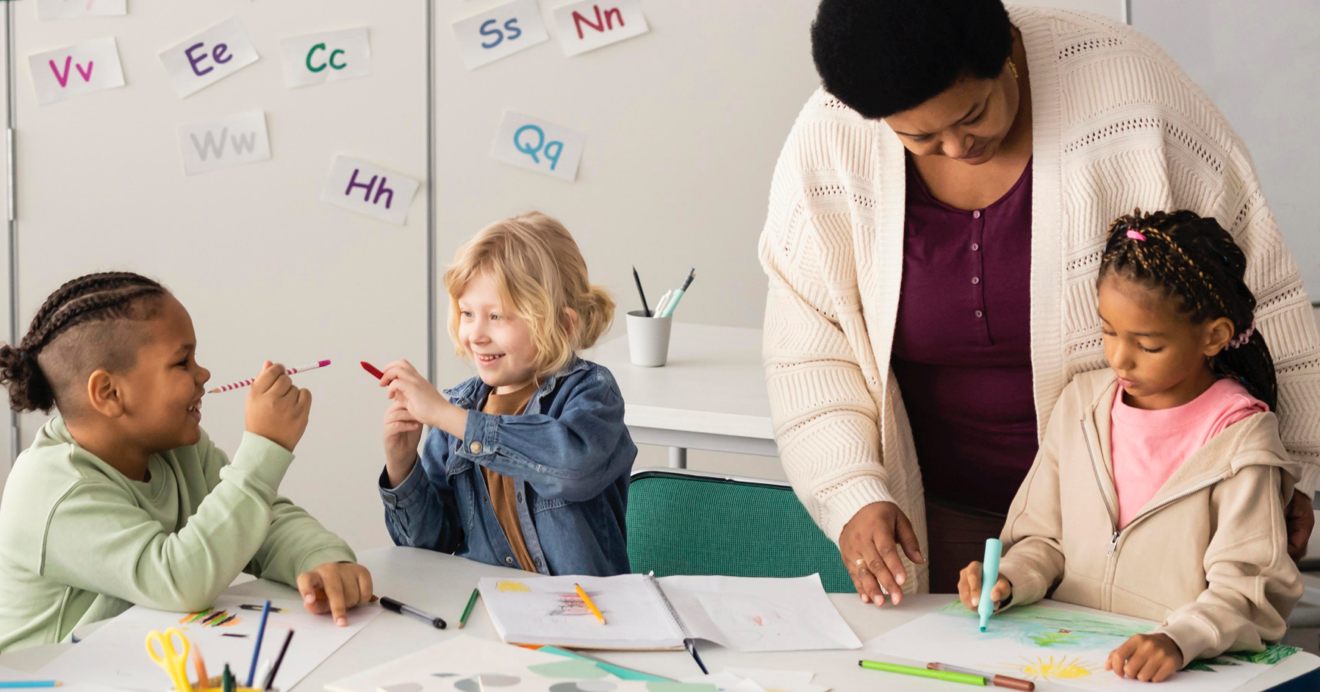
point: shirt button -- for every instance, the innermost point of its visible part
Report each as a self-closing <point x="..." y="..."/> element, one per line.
<point x="976" y="215"/>
<point x="980" y="314"/>
<point x="508" y="560"/>
<point x="976" y="280"/>
<point x="976" y="246"/>
<point x="475" y="447"/>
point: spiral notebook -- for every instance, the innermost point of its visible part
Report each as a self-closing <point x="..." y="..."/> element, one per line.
<point x="648" y="614"/>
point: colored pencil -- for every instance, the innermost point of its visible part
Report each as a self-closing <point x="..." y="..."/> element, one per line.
<point x="472" y="600"/>
<point x="256" y="650"/>
<point x="587" y="600"/>
<point x="691" y="646"/>
<point x="24" y="684"/>
<point x="270" y="677"/>
<point x="248" y="382"/>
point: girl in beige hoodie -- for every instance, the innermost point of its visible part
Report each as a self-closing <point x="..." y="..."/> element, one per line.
<point x="1171" y="464"/>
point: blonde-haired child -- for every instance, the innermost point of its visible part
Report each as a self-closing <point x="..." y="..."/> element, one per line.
<point x="528" y="463"/>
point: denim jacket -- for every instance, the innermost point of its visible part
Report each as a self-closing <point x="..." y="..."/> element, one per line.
<point x="570" y="456"/>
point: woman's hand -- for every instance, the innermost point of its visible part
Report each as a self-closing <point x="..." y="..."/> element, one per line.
<point x="1301" y="521"/>
<point x="869" y="547"/>
<point x="969" y="587"/>
<point x="1146" y="657"/>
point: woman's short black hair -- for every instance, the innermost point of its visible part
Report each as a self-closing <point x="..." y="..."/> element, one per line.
<point x="882" y="57"/>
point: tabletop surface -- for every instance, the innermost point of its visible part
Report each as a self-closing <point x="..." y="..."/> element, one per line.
<point x="713" y="382"/>
<point x="440" y="584"/>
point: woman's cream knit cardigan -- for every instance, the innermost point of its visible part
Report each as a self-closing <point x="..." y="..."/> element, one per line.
<point x="1116" y="125"/>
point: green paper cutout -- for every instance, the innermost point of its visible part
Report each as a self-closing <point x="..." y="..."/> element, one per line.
<point x="568" y="669"/>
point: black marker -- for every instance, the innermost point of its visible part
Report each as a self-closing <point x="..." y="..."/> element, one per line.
<point x="403" y="609"/>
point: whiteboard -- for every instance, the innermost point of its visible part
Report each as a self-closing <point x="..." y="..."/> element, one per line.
<point x="266" y="269"/>
<point x="1257" y="61"/>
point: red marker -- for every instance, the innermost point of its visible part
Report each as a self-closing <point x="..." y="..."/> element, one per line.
<point x="372" y="369"/>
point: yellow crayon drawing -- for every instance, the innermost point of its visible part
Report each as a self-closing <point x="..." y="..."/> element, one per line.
<point x="507" y="586"/>
<point x="1049" y="669"/>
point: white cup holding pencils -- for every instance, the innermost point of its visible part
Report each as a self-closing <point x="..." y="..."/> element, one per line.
<point x="648" y="339"/>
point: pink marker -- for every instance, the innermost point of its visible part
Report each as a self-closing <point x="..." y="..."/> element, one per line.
<point x="287" y="371"/>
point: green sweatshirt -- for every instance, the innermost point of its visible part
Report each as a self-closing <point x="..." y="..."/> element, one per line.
<point x="80" y="542"/>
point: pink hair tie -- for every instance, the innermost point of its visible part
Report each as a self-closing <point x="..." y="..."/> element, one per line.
<point x="1242" y="339"/>
<point x="1135" y="235"/>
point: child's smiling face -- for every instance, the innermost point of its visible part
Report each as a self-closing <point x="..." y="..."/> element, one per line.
<point x="1158" y="353"/>
<point x="162" y="394"/>
<point x="499" y="342"/>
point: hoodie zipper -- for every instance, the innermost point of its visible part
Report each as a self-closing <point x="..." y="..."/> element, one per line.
<point x="1113" y="516"/>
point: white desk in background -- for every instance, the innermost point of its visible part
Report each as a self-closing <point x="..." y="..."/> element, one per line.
<point x="710" y="395"/>
<point x="440" y="584"/>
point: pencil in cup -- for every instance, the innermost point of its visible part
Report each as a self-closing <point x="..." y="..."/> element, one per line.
<point x="287" y="371"/>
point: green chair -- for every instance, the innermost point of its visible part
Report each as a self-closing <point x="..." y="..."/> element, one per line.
<point x="688" y="522"/>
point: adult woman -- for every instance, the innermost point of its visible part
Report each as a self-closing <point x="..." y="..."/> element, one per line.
<point x="936" y="221"/>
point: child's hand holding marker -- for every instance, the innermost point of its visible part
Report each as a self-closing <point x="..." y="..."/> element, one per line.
<point x="276" y="409"/>
<point x="969" y="587"/>
<point x="422" y="400"/>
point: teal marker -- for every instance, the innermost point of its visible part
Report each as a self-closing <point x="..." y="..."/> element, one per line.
<point x="678" y="294"/>
<point x="989" y="577"/>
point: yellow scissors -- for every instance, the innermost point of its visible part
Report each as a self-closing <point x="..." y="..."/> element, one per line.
<point x="170" y="658"/>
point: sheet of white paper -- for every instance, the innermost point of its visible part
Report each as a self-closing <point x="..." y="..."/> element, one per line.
<point x="224" y="142"/>
<point x="73" y="9"/>
<point x="538" y="145"/>
<point x="209" y="57"/>
<point x="76" y="70"/>
<point x="779" y="680"/>
<point x="326" y="57"/>
<point x="500" y="32"/>
<point x="590" y="24"/>
<point x="548" y="609"/>
<point x="1050" y="643"/>
<point x="115" y="654"/>
<point x="757" y="614"/>
<point x="370" y="190"/>
<point x="457" y="663"/>
<point x="725" y="682"/>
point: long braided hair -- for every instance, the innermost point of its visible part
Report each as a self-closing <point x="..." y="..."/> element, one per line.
<point x="1195" y="262"/>
<point x="91" y="298"/>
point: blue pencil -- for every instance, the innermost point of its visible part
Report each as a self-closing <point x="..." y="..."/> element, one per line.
<point x="21" y="684"/>
<point x="261" y="632"/>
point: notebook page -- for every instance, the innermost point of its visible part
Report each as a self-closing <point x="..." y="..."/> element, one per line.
<point x="547" y="610"/>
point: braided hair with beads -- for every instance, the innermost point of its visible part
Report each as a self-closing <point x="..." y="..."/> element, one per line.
<point x="100" y="297"/>
<point x="1195" y="263"/>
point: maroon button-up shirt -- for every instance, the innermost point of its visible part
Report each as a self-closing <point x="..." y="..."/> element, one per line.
<point x="962" y="344"/>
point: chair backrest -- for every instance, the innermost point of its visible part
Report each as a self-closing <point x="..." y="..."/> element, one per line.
<point x="686" y="522"/>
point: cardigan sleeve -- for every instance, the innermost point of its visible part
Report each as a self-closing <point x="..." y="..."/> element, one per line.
<point x="1283" y="312"/>
<point x="824" y="415"/>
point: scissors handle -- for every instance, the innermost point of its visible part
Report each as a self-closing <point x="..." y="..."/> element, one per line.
<point x="170" y="658"/>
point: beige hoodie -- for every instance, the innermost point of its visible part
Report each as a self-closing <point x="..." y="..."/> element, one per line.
<point x="1207" y="556"/>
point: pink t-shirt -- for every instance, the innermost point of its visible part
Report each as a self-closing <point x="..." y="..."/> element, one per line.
<point x="1148" y="446"/>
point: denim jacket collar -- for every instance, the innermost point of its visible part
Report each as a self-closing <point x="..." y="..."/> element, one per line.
<point x="470" y="394"/>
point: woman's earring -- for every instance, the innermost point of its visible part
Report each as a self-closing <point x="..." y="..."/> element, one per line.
<point x="1012" y="67"/>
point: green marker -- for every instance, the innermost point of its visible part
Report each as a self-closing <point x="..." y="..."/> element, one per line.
<point x="472" y="600"/>
<point x="923" y="673"/>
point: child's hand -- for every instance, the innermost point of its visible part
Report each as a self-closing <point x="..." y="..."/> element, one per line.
<point x="402" y="434"/>
<point x="1146" y="657"/>
<point x="334" y="588"/>
<point x="277" y="410"/>
<point x="969" y="587"/>
<point x="407" y="386"/>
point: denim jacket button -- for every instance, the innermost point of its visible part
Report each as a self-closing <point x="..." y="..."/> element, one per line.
<point x="520" y="497"/>
<point x="475" y="447"/>
<point x="508" y="560"/>
<point x="537" y="562"/>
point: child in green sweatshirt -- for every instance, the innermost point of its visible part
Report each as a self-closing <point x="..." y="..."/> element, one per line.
<point x="123" y="499"/>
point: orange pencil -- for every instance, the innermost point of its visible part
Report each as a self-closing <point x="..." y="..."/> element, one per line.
<point x="587" y="599"/>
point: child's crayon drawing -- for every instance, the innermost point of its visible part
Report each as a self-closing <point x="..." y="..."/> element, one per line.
<point x="211" y="618"/>
<point x="1041" y="668"/>
<point x="506" y="586"/>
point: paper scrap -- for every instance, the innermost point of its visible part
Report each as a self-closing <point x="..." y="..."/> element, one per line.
<point x="590" y="24"/>
<point x="538" y="145"/>
<point x="500" y="32"/>
<point x="326" y="57"/>
<point x="209" y="57"/>
<point x="371" y="190"/>
<point x="65" y="73"/>
<point x="725" y="682"/>
<point x="73" y="9"/>
<point x="220" y="143"/>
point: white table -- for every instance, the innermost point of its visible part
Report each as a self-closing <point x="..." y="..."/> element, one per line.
<point x="440" y="584"/>
<point x="710" y="395"/>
